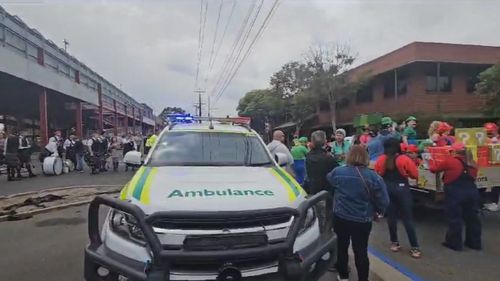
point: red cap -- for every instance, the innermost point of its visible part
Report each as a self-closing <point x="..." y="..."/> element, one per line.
<point x="412" y="148"/>
<point x="491" y="127"/>
<point x="444" y="127"/>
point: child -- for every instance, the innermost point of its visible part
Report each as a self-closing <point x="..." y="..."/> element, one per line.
<point x="444" y="138"/>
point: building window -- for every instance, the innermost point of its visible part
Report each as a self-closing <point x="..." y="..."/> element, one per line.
<point x="444" y="81"/>
<point x="438" y="78"/>
<point x="343" y="104"/>
<point x="389" y="85"/>
<point x="324" y="106"/>
<point x="472" y="77"/>
<point x="402" y="83"/>
<point x="365" y="94"/>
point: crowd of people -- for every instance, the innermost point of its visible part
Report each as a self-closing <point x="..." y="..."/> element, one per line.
<point x="369" y="178"/>
<point x="100" y="152"/>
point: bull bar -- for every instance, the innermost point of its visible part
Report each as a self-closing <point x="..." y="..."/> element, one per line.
<point x="291" y="266"/>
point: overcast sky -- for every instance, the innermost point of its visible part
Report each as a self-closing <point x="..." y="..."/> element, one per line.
<point x="150" y="48"/>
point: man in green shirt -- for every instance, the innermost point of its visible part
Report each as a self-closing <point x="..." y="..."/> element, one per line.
<point x="299" y="152"/>
<point x="409" y="133"/>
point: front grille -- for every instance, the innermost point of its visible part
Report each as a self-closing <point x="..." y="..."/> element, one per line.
<point x="224" y="241"/>
<point x="243" y="221"/>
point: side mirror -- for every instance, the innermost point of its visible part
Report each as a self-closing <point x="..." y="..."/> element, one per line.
<point x="281" y="159"/>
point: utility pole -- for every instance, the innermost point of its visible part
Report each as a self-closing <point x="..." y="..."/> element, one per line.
<point x="199" y="105"/>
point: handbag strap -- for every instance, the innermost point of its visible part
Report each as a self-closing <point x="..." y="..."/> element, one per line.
<point x="365" y="184"/>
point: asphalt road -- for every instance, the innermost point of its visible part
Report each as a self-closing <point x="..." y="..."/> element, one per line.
<point x="50" y="246"/>
<point x="47" y="247"/>
<point x="73" y="179"/>
<point x="437" y="262"/>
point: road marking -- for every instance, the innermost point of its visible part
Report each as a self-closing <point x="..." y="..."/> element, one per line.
<point x="394" y="265"/>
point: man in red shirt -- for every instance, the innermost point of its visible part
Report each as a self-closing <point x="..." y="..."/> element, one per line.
<point x="461" y="199"/>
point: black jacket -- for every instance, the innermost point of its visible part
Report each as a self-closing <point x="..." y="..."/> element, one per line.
<point x="318" y="164"/>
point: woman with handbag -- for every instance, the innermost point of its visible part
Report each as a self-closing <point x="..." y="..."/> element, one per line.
<point x="360" y="195"/>
<point x="396" y="168"/>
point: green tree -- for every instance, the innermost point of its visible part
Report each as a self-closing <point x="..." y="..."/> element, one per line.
<point x="489" y="86"/>
<point x="262" y="106"/>
<point x="293" y="78"/>
<point x="171" y="110"/>
<point x="328" y="65"/>
<point x="292" y="83"/>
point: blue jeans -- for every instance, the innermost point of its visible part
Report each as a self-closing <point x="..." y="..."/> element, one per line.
<point x="462" y="206"/>
<point x="401" y="207"/>
<point x="299" y="167"/>
<point x="79" y="161"/>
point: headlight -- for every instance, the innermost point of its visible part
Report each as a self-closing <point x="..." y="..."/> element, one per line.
<point x="309" y="221"/>
<point x="126" y="226"/>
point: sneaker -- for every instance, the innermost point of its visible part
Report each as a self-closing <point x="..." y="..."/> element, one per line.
<point x="415" y="253"/>
<point x="492" y="207"/>
<point x="395" y="247"/>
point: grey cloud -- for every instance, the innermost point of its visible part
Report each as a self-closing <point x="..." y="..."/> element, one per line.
<point x="150" y="48"/>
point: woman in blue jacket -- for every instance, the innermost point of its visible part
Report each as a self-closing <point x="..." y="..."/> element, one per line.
<point x="360" y="195"/>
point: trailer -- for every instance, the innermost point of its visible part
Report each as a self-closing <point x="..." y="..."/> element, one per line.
<point x="428" y="189"/>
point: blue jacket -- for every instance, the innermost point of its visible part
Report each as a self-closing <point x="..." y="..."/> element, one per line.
<point x="351" y="201"/>
<point x="376" y="145"/>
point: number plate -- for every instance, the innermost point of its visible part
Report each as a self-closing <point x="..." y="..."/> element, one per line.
<point x="224" y="241"/>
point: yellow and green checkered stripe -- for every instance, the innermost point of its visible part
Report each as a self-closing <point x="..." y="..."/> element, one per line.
<point x="293" y="188"/>
<point x="140" y="185"/>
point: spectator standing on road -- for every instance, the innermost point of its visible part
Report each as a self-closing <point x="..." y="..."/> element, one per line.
<point x="57" y="142"/>
<point x="116" y="152"/>
<point x="299" y="152"/>
<point x="150" y="142"/>
<point x="340" y="147"/>
<point x="278" y="146"/>
<point x="69" y="147"/>
<point x="376" y="146"/>
<point x="2" y="144"/>
<point x="396" y="168"/>
<point x="104" y="149"/>
<point x="94" y="145"/>
<point x="360" y="195"/>
<point x="319" y="163"/>
<point x="10" y="151"/>
<point x="128" y="145"/>
<point x="25" y="151"/>
<point x="79" y="154"/>
<point x="461" y="199"/>
<point x="366" y="135"/>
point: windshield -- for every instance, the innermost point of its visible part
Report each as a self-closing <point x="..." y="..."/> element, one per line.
<point x="209" y="149"/>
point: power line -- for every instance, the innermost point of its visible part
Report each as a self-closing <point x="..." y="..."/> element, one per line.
<point x="215" y="38"/>
<point x="201" y="37"/>
<point x="243" y="42"/>
<point x="257" y="36"/>
<point x="223" y="35"/>
<point x="235" y="45"/>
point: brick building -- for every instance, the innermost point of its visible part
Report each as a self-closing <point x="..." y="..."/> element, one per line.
<point x="428" y="80"/>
